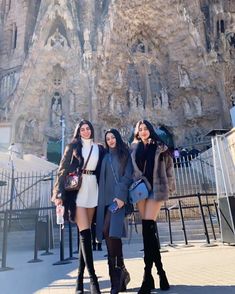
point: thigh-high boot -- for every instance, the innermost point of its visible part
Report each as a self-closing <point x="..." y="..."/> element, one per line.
<point x="81" y="268"/>
<point x="86" y="247"/>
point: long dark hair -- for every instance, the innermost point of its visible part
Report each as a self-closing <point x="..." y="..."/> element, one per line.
<point x="152" y="134"/>
<point x="154" y="138"/>
<point x="77" y="139"/>
<point x="121" y="147"/>
<point x="76" y="134"/>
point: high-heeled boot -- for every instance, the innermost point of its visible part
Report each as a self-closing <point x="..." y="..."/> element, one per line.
<point x="81" y="268"/>
<point x="148" y="281"/>
<point x="85" y="243"/>
<point x="115" y="275"/>
<point x="164" y="284"/>
<point x="119" y="276"/>
<point x="125" y="276"/>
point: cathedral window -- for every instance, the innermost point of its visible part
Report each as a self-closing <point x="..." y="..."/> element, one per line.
<point x="14" y="36"/>
<point x="220" y="27"/>
<point x="222" y="30"/>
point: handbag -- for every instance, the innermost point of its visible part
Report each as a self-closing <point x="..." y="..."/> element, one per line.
<point x="138" y="190"/>
<point x="73" y="181"/>
<point x="129" y="208"/>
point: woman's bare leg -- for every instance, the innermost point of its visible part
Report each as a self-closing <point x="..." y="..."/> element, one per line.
<point x="149" y="208"/>
<point x="141" y="207"/>
<point x="84" y="217"/>
<point x="152" y="209"/>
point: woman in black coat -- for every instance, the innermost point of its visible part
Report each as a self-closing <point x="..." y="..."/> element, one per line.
<point x="81" y="205"/>
<point x="115" y="178"/>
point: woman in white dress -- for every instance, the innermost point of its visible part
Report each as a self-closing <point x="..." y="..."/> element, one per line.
<point x="81" y="205"/>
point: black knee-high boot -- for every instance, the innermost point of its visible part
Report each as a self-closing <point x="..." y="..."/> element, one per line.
<point x="148" y="281"/>
<point x="164" y="285"/>
<point x="125" y="276"/>
<point x="85" y="243"/>
<point x="81" y="268"/>
<point x="119" y="275"/>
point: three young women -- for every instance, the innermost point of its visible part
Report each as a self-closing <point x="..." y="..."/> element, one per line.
<point x="153" y="163"/>
<point x="81" y="205"/>
<point x="115" y="179"/>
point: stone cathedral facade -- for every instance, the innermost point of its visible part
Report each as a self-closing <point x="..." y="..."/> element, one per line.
<point x="115" y="62"/>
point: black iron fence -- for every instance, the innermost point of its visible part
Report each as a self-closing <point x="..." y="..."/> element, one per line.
<point x="21" y="190"/>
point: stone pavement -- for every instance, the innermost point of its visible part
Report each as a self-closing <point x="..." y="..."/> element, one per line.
<point x="197" y="269"/>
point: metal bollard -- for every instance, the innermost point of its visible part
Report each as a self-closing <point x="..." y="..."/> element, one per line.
<point x="183" y="225"/>
<point x="62" y="260"/>
<point x="78" y="242"/>
<point x="4" y="244"/>
<point x="35" y="258"/>
<point x="158" y="239"/>
<point x="71" y="257"/>
<point x="47" y="252"/>
<point x="169" y="225"/>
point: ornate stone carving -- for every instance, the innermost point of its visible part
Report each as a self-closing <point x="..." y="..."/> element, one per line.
<point x="165" y="98"/>
<point x="186" y="107"/>
<point x="57" y="40"/>
<point x="56" y="110"/>
<point x="27" y="131"/>
<point x="183" y="77"/>
<point x="156" y="101"/>
<point x="198" y="105"/>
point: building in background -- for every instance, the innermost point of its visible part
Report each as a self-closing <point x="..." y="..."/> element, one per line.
<point x="115" y="62"/>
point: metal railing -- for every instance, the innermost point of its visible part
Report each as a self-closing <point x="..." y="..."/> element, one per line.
<point x="20" y="190"/>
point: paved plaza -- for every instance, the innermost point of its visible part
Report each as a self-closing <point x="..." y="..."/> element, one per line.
<point x="197" y="269"/>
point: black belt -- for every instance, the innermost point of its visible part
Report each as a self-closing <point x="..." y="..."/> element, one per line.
<point x="88" y="172"/>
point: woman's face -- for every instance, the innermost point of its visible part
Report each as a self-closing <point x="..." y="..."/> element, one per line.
<point x="110" y="140"/>
<point x="85" y="132"/>
<point x="143" y="132"/>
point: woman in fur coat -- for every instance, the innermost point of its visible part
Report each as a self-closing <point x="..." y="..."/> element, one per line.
<point x="153" y="163"/>
<point x="81" y="205"/>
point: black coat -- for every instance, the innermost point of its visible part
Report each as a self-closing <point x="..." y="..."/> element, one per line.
<point x="69" y="163"/>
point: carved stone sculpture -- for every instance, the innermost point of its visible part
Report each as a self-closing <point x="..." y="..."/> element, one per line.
<point x="183" y="77"/>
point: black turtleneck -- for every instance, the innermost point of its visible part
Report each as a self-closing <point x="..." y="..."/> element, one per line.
<point x="146" y="153"/>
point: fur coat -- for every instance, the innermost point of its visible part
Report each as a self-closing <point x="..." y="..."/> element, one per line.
<point x="163" y="173"/>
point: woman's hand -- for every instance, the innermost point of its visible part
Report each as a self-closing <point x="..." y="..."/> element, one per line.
<point x="58" y="201"/>
<point x="120" y="203"/>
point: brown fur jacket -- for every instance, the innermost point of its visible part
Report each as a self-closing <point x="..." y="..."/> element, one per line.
<point x="163" y="173"/>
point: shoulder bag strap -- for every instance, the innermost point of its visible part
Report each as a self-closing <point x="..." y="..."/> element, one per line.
<point x="87" y="158"/>
<point x="111" y="164"/>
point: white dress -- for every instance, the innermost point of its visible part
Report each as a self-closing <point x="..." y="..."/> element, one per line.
<point x="88" y="194"/>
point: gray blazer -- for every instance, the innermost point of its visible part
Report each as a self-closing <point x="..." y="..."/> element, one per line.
<point x="108" y="190"/>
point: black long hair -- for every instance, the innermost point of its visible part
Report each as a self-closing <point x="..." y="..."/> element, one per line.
<point x="77" y="139"/>
<point x="152" y="134"/>
<point x="153" y="137"/>
<point x="121" y="146"/>
<point x="76" y="134"/>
